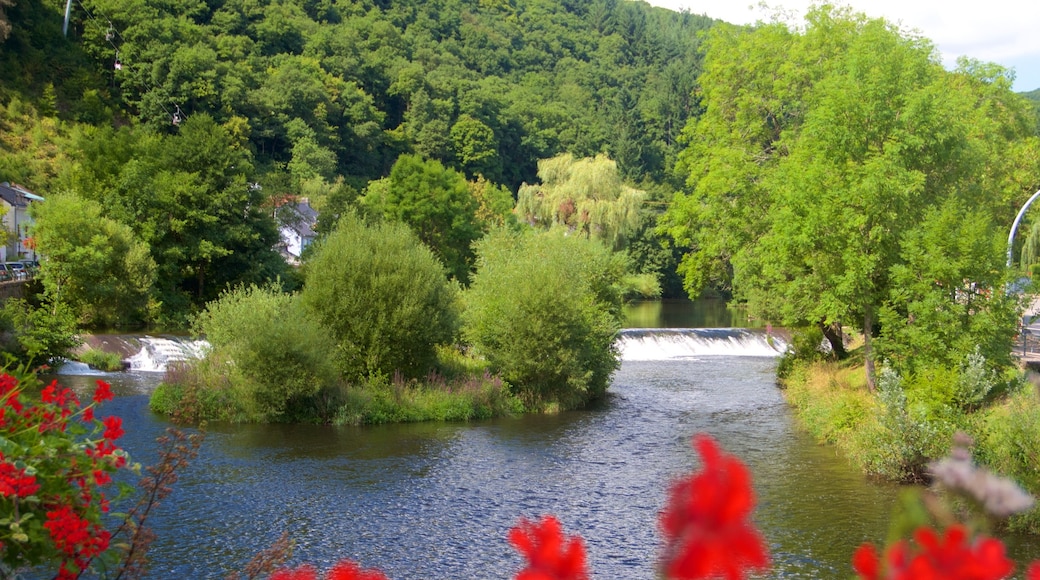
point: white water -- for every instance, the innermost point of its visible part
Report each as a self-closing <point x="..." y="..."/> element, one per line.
<point x="157" y="353"/>
<point x="642" y="344"/>
<point x="635" y="344"/>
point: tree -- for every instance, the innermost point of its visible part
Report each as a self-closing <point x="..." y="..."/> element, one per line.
<point x="809" y="175"/>
<point x="583" y="195"/>
<point x="436" y="203"/>
<point x="544" y="309"/>
<point x="95" y="265"/>
<point x="383" y="296"/>
<point x="189" y="198"/>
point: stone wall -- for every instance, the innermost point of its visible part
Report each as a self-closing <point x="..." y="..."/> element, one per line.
<point x="12" y="289"/>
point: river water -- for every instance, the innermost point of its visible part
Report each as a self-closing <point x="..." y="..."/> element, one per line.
<point x="437" y="500"/>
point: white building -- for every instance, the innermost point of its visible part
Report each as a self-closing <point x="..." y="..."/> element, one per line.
<point x="296" y="222"/>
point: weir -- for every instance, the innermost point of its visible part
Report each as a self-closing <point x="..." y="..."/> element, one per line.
<point x="158" y="352"/>
<point x="647" y="344"/>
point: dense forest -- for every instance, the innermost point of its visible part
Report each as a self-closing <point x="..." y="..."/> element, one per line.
<point x="222" y="110"/>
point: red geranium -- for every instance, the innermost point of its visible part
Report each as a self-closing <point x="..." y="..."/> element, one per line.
<point x="550" y="554"/>
<point x="706" y="522"/>
<point x="950" y="557"/>
<point x="344" y="570"/>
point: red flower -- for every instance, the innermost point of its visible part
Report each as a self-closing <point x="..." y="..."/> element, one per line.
<point x="347" y="570"/>
<point x="1034" y="571"/>
<point x="705" y="523"/>
<point x="550" y="555"/>
<point x="344" y="570"/>
<point x="103" y="392"/>
<point x="951" y="557"/>
<point x="113" y="428"/>
<point x="15" y="482"/>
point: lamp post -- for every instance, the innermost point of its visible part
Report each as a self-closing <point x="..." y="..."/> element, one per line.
<point x="1014" y="226"/>
<point x="68" y="12"/>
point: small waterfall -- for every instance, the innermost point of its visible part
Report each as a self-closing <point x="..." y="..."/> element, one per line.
<point x="158" y="352"/>
<point x="641" y="344"/>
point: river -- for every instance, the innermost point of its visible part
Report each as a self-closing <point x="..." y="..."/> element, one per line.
<point x="437" y="500"/>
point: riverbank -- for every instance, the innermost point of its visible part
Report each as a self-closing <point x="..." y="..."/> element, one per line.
<point x="893" y="433"/>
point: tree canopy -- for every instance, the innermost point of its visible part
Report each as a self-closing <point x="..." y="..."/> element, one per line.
<point x="820" y="154"/>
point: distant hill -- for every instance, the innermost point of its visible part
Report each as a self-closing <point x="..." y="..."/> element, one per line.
<point x="486" y="86"/>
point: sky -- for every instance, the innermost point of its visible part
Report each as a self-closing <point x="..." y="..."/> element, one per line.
<point x="1006" y="32"/>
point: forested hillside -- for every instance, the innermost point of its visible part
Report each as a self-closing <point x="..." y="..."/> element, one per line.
<point x="188" y="121"/>
<point x="322" y="89"/>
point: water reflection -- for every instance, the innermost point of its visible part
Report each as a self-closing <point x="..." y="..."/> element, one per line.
<point x="701" y="313"/>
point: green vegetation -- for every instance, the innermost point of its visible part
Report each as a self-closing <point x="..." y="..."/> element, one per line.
<point x="101" y="360"/>
<point x="373" y="336"/>
<point x="95" y="265"/>
<point x="383" y="297"/>
<point x="436" y="203"/>
<point x="544" y="311"/>
<point x="840" y="177"/>
<point x="34" y="334"/>
<point x="895" y="432"/>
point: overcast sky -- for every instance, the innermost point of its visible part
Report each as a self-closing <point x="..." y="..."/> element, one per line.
<point x="1002" y="31"/>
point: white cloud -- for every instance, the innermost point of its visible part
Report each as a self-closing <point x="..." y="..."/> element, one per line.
<point x="1001" y="31"/>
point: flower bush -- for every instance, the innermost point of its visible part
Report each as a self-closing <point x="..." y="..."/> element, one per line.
<point x="57" y="459"/>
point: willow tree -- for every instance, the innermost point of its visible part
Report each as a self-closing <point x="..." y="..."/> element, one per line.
<point x="822" y="150"/>
<point x="582" y="195"/>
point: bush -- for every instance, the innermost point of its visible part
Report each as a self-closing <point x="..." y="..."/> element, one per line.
<point x="277" y="349"/>
<point x="805" y="346"/>
<point x="37" y="335"/>
<point x="544" y="309"/>
<point x="383" y="296"/>
<point x="1010" y="445"/>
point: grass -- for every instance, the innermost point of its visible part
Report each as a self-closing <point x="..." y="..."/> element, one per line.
<point x="101" y="360"/>
<point x="461" y="390"/>
<point x="895" y="439"/>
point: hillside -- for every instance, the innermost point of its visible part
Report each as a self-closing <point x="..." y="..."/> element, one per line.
<point x="321" y="88"/>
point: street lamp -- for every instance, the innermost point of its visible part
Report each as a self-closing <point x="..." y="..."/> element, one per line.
<point x="1014" y="226"/>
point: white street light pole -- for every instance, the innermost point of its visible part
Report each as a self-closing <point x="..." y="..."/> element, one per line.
<point x="1014" y="226"/>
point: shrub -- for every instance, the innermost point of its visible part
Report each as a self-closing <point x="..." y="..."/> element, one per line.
<point x="37" y="335"/>
<point x="1010" y="444"/>
<point x="544" y="310"/>
<point x="384" y="298"/>
<point x="279" y="353"/>
<point x="201" y="390"/>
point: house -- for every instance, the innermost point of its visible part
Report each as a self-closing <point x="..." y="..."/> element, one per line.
<point x="296" y="221"/>
<point x="16" y="221"/>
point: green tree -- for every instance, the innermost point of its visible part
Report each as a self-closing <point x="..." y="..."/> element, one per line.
<point x="475" y="147"/>
<point x="582" y="195"/>
<point x="808" y="175"/>
<point x="189" y="198"/>
<point x="436" y="203"/>
<point x="383" y="296"/>
<point x="94" y="264"/>
<point x="544" y="309"/>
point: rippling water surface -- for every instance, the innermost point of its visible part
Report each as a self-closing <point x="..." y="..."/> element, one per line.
<point x="437" y="500"/>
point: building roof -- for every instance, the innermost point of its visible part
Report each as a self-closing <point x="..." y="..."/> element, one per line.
<point x="300" y="217"/>
<point x="16" y="195"/>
